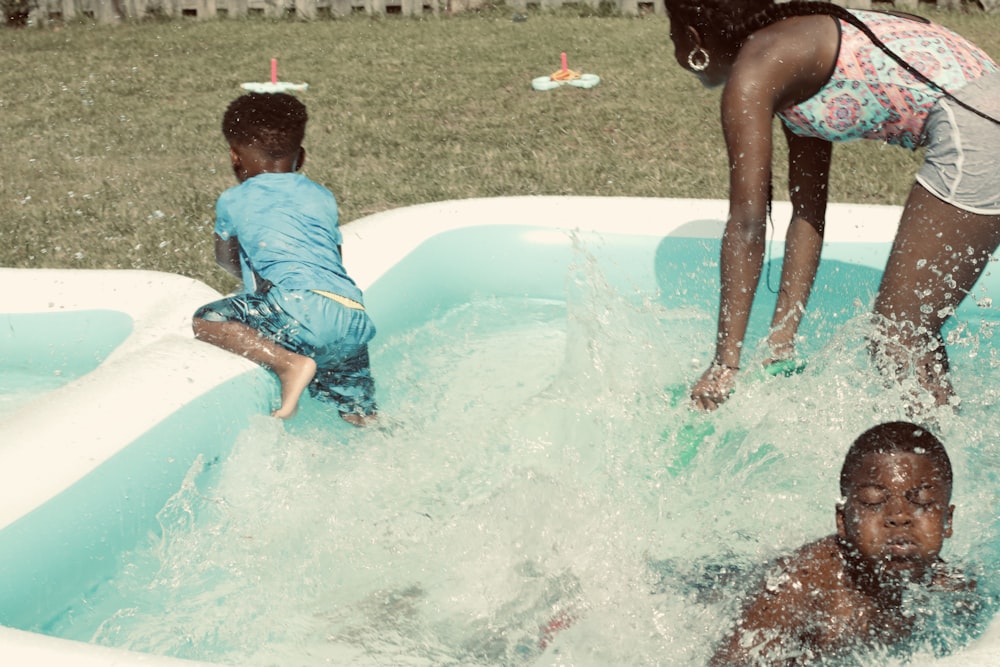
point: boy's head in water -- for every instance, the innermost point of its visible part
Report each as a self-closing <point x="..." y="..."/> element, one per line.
<point x="845" y="592"/>
<point x="895" y="511"/>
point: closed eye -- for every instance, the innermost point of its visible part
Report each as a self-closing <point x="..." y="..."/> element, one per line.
<point x="922" y="495"/>
<point x="871" y="496"/>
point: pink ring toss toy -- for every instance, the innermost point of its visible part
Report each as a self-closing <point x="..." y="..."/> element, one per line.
<point x="565" y="77"/>
<point x="274" y="86"/>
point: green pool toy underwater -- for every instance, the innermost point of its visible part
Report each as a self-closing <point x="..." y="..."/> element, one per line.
<point x="565" y="77"/>
<point x="687" y="436"/>
<point x="690" y="435"/>
<point x="785" y="367"/>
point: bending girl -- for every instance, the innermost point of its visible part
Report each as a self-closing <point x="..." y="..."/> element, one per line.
<point x="835" y="75"/>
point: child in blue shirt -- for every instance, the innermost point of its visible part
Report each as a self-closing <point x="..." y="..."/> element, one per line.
<point x="300" y="316"/>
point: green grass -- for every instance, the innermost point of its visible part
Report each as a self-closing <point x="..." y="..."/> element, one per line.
<point x="113" y="156"/>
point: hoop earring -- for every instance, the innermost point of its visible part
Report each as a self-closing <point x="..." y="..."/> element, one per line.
<point x="698" y="59"/>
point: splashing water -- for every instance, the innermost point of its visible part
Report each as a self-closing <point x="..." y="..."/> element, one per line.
<point x="539" y="493"/>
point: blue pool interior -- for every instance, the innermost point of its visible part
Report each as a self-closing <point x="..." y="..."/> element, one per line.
<point x="678" y="271"/>
<point x="114" y="508"/>
<point x="43" y="351"/>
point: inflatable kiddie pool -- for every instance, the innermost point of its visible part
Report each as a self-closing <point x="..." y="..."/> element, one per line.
<point x="123" y="433"/>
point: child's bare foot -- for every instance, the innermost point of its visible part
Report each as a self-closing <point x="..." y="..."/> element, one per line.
<point x="355" y="419"/>
<point x="294" y="377"/>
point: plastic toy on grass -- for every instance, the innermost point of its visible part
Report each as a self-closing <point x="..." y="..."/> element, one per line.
<point x="273" y="86"/>
<point x="565" y="76"/>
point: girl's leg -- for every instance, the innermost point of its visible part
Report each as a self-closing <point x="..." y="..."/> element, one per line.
<point x="294" y="371"/>
<point x="938" y="255"/>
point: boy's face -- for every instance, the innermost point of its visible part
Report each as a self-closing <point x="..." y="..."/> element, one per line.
<point x="896" y="514"/>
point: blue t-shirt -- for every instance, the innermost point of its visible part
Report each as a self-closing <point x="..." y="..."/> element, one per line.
<point x="287" y="230"/>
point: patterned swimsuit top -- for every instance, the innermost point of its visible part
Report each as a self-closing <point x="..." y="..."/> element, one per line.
<point x="869" y="96"/>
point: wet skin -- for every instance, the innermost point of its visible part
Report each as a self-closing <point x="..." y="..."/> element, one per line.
<point x="896" y="517"/>
<point x="294" y="371"/>
<point x="845" y="591"/>
<point x="779" y="66"/>
<point x="775" y="68"/>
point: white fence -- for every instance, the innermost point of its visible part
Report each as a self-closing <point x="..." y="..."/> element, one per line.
<point x="115" y="10"/>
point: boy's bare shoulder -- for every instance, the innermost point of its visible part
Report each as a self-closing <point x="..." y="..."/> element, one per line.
<point x="794" y="585"/>
<point x="790" y="609"/>
<point x="810" y="582"/>
<point x="816" y="565"/>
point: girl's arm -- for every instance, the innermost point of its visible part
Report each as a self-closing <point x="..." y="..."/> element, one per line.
<point x="780" y="65"/>
<point x="748" y="107"/>
<point x="808" y="177"/>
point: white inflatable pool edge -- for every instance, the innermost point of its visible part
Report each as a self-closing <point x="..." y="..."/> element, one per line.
<point x="49" y="445"/>
<point x="53" y="436"/>
<point x="27" y="649"/>
<point x="375" y="243"/>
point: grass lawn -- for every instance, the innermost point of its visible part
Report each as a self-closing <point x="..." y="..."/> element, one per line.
<point x="113" y="156"/>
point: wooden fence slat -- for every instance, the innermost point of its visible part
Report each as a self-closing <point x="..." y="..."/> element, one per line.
<point x="237" y="7"/>
<point x="629" y="7"/>
<point x="109" y="11"/>
<point x="340" y="8"/>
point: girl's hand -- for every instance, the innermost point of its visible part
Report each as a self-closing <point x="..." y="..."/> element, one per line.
<point x="714" y="387"/>
<point x="779" y="352"/>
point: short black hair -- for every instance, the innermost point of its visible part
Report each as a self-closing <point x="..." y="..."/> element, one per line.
<point x="898" y="436"/>
<point x="272" y="122"/>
